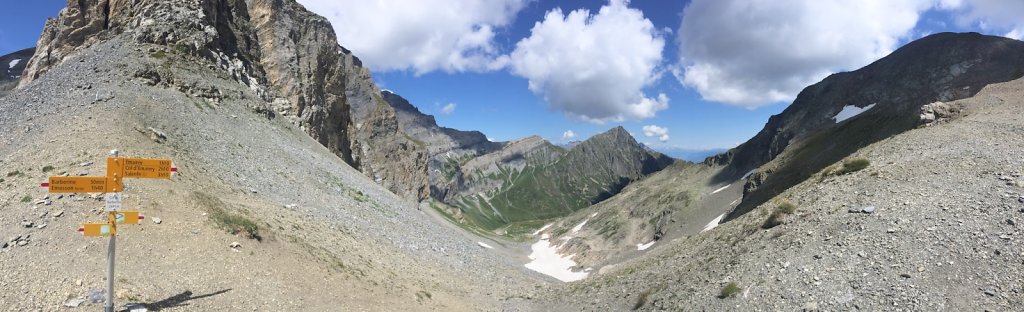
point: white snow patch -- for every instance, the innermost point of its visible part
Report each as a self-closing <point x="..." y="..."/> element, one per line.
<point x="542" y="229"/>
<point x="547" y="261"/>
<point x="13" y="63"/>
<point x="721" y="189"/>
<point x="579" y="227"/>
<point x="849" y="111"/>
<point x="482" y="244"/>
<point x="386" y="90"/>
<point x="713" y="223"/>
<point x="745" y="176"/>
<point x="645" y="246"/>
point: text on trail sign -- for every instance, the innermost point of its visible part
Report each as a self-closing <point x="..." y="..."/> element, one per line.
<point x="113" y="202"/>
<point x="140" y="168"/>
<point x="83" y="185"/>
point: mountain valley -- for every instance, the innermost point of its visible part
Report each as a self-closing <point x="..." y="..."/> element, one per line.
<point x="304" y="186"/>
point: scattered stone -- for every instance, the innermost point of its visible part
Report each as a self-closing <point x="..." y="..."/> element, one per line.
<point x="157" y="220"/>
<point x="905" y="275"/>
<point x="26" y="224"/>
<point x="41" y="226"/>
<point x="1011" y="222"/>
<point x="854" y="210"/>
<point x="235" y="245"/>
<point x="869" y="209"/>
<point x="3" y="245"/>
<point x="42" y="214"/>
<point x="254" y="192"/>
<point x="811" y="306"/>
<point x="83" y="173"/>
<point x="14" y="238"/>
<point x="78" y="282"/>
<point x="1020" y="199"/>
<point x="134" y="307"/>
<point x="890" y="230"/>
<point x="74" y="302"/>
<point x="22" y="243"/>
<point x="990" y="292"/>
<point x="291" y="206"/>
<point x="58" y="213"/>
<point x="86" y="164"/>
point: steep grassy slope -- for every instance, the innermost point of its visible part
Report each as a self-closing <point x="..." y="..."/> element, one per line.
<point x="542" y="187"/>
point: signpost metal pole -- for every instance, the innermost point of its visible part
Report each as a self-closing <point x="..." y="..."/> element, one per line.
<point x="109" y="306"/>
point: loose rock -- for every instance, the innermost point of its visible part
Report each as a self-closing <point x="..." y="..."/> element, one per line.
<point x="157" y="220"/>
<point x="869" y="209"/>
<point x="235" y="245"/>
<point x="74" y="302"/>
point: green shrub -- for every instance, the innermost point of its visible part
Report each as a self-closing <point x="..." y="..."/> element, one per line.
<point x="26" y="199"/>
<point x="13" y="173"/>
<point x="730" y="290"/>
<point x="853" y="165"/>
<point x="233" y="223"/>
<point x="775" y="219"/>
<point x="48" y="168"/>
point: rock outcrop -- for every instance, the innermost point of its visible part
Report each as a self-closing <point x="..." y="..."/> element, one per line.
<point x="806" y="137"/>
<point x="286" y="54"/>
<point x="448" y="148"/>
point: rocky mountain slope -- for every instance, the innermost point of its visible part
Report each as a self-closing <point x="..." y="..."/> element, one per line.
<point x="808" y="136"/>
<point x="811" y="136"/>
<point x="445" y="146"/>
<point x="11" y="67"/>
<point x="286" y="55"/>
<point x="531" y="180"/>
<point x="314" y="233"/>
<point x="932" y="224"/>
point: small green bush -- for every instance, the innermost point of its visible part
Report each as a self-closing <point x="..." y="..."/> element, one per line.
<point x="852" y="166"/>
<point x="48" y="168"/>
<point x="730" y="290"/>
<point x="642" y="299"/>
<point x="233" y="223"/>
<point x="775" y="219"/>
<point x="26" y="199"/>
<point x="13" y="173"/>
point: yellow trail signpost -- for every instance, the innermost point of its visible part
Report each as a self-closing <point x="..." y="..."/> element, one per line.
<point x="112" y="184"/>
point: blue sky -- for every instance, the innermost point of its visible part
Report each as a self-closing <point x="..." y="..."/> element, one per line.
<point x="677" y="74"/>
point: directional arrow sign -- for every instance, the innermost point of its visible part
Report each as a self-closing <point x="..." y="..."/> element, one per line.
<point x="82" y="185"/>
<point x="128" y="217"/>
<point x="141" y="168"/>
<point x="97" y="229"/>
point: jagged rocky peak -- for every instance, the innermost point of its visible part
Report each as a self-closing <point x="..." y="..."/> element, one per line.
<point x="285" y="54"/>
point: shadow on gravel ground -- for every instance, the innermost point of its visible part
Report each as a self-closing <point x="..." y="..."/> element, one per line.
<point x="179" y="300"/>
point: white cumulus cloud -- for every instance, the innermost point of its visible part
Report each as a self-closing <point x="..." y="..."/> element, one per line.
<point x="421" y="35"/>
<point x="594" y="66"/>
<point x="754" y="53"/>
<point x="448" y="109"/>
<point x="651" y="131"/>
<point x="990" y="15"/>
<point x="568" y="135"/>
